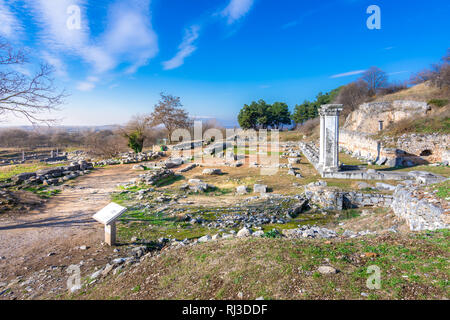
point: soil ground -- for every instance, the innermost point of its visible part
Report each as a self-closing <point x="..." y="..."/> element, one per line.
<point x="49" y="236"/>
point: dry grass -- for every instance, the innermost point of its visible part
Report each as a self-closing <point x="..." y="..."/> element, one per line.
<point x="294" y="135"/>
<point x="311" y="129"/>
<point x="421" y="92"/>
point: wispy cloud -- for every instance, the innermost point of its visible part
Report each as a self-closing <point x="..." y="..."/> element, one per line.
<point x="397" y="72"/>
<point x="55" y="62"/>
<point x="9" y="25"/>
<point x="236" y="9"/>
<point x="347" y="74"/>
<point x="185" y="49"/>
<point x="89" y="84"/>
<point x="128" y="39"/>
<point x="307" y="14"/>
<point x="130" y="36"/>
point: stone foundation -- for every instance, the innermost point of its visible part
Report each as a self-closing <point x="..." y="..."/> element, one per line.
<point x="411" y="149"/>
<point x="334" y="199"/>
<point x="420" y="214"/>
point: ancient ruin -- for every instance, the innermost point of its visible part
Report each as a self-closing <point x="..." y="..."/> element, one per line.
<point x="329" y="138"/>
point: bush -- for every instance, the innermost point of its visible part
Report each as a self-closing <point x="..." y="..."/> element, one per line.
<point x="438" y="102"/>
<point x="274" y="233"/>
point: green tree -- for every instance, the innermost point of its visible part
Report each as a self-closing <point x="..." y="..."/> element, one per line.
<point x="300" y="114"/>
<point x="248" y="116"/>
<point x="312" y="110"/>
<point x="265" y="118"/>
<point x="280" y="114"/>
<point x="136" y="141"/>
<point x="136" y="132"/>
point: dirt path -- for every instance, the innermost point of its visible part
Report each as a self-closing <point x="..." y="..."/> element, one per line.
<point x="33" y="240"/>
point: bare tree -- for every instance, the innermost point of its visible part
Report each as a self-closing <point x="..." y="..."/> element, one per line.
<point x="169" y="112"/>
<point x="438" y="74"/>
<point x="105" y="143"/>
<point x="352" y="95"/>
<point x="25" y="95"/>
<point x="394" y="87"/>
<point x="375" y="79"/>
<point x="421" y="76"/>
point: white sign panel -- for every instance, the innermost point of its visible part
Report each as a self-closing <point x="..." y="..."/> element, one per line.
<point x="110" y="213"/>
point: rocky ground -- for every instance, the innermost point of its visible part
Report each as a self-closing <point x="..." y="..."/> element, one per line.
<point x="44" y="240"/>
<point x="222" y="231"/>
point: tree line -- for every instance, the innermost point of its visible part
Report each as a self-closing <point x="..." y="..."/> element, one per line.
<point x="261" y="115"/>
<point x="373" y="83"/>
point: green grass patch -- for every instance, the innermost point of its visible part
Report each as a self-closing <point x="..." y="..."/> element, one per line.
<point x="8" y="172"/>
<point x="43" y="192"/>
<point x="443" y="189"/>
<point x="168" y="181"/>
<point x="438" y="102"/>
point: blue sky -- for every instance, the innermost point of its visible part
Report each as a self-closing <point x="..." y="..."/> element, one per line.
<point x="217" y="54"/>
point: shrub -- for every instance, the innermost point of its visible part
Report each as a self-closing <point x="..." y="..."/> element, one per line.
<point x="438" y="102"/>
<point x="274" y="233"/>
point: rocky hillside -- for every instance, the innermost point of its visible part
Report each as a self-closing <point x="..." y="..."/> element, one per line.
<point x="366" y="117"/>
<point x="410" y="110"/>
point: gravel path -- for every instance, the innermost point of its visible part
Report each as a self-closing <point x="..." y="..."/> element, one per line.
<point x="65" y="221"/>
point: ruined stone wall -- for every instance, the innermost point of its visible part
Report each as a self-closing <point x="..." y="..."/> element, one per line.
<point x="416" y="148"/>
<point x="430" y="147"/>
<point x="409" y="149"/>
<point x="359" y="144"/>
<point x="419" y="213"/>
<point x="366" y="117"/>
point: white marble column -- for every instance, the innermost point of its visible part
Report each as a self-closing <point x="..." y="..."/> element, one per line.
<point x="329" y="137"/>
<point x="322" y="141"/>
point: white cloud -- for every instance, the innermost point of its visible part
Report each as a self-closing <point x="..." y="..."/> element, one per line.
<point x="185" y="49"/>
<point x="130" y="36"/>
<point x="9" y="25"/>
<point x="55" y="62"/>
<point x="89" y="84"/>
<point x="85" y="86"/>
<point x="21" y="69"/>
<point x="346" y="74"/>
<point x="128" y="39"/>
<point x="397" y="72"/>
<point x="236" y="9"/>
<point x="52" y="16"/>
